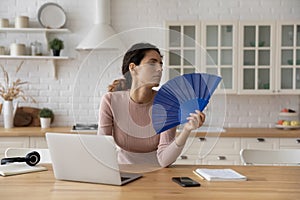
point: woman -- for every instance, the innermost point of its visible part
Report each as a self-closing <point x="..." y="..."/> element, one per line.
<point x="125" y="112"/>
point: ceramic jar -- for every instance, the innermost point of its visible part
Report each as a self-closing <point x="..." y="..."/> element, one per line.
<point x="4" y="23"/>
<point x="17" y="49"/>
<point x="21" y="22"/>
<point x="2" y="50"/>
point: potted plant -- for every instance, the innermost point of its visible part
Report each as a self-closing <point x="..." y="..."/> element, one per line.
<point x="46" y="116"/>
<point x="56" y="45"/>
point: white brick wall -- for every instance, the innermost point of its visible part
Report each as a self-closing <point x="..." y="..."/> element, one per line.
<point x="73" y="102"/>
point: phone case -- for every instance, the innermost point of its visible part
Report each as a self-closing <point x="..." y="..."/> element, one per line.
<point x="185" y="182"/>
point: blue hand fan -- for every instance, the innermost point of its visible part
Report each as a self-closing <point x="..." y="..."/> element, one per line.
<point x="179" y="97"/>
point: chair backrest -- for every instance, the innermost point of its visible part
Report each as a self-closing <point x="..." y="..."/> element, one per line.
<point x="22" y="152"/>
<point x="265" y="157"/>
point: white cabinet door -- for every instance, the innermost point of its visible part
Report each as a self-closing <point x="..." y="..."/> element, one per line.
<point x="8" y="142"/>
<point x="288" y="73"/>
<point x="182" y="55"/>
<point x="260" y="143"/>
<point x="188" y="159"/>
<point x="221" y="159"/>
<point x="219" y="40"/>
<point x="289" y="143"/>
<point x="38" y="142"/>
<point x="257" y="58"/>
<point x="224" y="152"/>
<point x="226" y="146"/>
<point x="206" y="150"/>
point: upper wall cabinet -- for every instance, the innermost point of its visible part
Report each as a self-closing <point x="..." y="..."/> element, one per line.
<point x="251" y="57"/>
<point x="209" y="48"/>
<point x="181" y="51"/>
<point x="257" y="58"/>
<point x="289" y="58"/>
<point x="219" y="57"/>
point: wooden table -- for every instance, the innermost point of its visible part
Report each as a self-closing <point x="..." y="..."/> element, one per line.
<point x="265" y="182"/>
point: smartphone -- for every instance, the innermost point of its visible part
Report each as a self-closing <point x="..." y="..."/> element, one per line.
<point x="185" y="181"/>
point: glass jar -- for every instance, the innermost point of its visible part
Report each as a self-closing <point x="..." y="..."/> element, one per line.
<point x="36" y="48"/>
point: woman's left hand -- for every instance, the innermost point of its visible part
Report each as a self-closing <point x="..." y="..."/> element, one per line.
<point x="195" y="120"/>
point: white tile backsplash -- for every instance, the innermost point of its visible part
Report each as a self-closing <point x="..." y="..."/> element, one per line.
<point x="73" y="104"/>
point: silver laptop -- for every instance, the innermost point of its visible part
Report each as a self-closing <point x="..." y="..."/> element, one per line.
<point x="86" y="158"/>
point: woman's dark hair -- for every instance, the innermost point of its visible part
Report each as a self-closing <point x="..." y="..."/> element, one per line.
<point x="134" y="55"/>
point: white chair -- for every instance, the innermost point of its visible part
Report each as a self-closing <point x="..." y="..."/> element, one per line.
<point x="270" y="157"/>
<point x="22" y="152"/>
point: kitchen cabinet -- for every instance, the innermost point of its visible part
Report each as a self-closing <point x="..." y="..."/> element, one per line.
<point x="18" y="142"/>
<point x="289" y="143"/>
<point x="22" y="142"/>
<point x="32" y="31"/>
<point x="182" y="49"/>
<point x="38" y="142"/>
<point x="226" y="151"/>
<point x="257" y="58"/>
<point x="289" y="58"/>
<point x="211" y="150"/>
<point x="211" y="49"/>
<point x="260" y="143"/>
<point x="219" y="40"/>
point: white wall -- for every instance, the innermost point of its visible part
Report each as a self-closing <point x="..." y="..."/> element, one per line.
<point x="72" y="95"/>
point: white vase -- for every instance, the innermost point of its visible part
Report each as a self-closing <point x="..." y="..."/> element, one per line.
<point x="8" y="114"/>
<point x="45" y="122"/>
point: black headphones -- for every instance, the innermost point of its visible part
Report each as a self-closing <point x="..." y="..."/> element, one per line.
<point x="31" y="159"/>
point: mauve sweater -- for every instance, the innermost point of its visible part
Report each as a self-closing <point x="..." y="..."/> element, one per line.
<point x="130" y="125"/>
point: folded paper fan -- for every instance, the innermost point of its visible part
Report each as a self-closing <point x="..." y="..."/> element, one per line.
<point x="179" y="97"/>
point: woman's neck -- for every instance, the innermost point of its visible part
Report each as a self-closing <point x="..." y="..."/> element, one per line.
<point x="142" y="95"/>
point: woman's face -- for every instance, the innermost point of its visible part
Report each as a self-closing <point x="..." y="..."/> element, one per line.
<point x="149" y="72"/>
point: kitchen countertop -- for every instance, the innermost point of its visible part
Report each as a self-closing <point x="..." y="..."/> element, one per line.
<point x="229" y="132"/>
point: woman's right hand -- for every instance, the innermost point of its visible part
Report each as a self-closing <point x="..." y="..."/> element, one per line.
<point x="195" y="120"/>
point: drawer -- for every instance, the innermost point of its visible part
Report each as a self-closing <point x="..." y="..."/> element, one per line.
<point x="187" y="160"/>
<point x="290" y="142"/>
<point x="212" y="145"/>
<point x="260" y="143"/>
<point x="38" y="142"/>
<point x="221" y="145"/>
<point x="17" y="142"/>
<point x="221" y="159"/>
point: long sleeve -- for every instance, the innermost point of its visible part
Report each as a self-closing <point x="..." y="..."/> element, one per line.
<point x="105" y="124"/>
<point x="168" y="151"/>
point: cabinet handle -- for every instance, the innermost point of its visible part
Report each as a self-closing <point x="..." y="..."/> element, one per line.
<point x="183" y="157"/>
<point x="260" y="139"/>
<point x="298" y="141"/>
<point x="202" y="139"/>
<point x="221" y="157"/>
